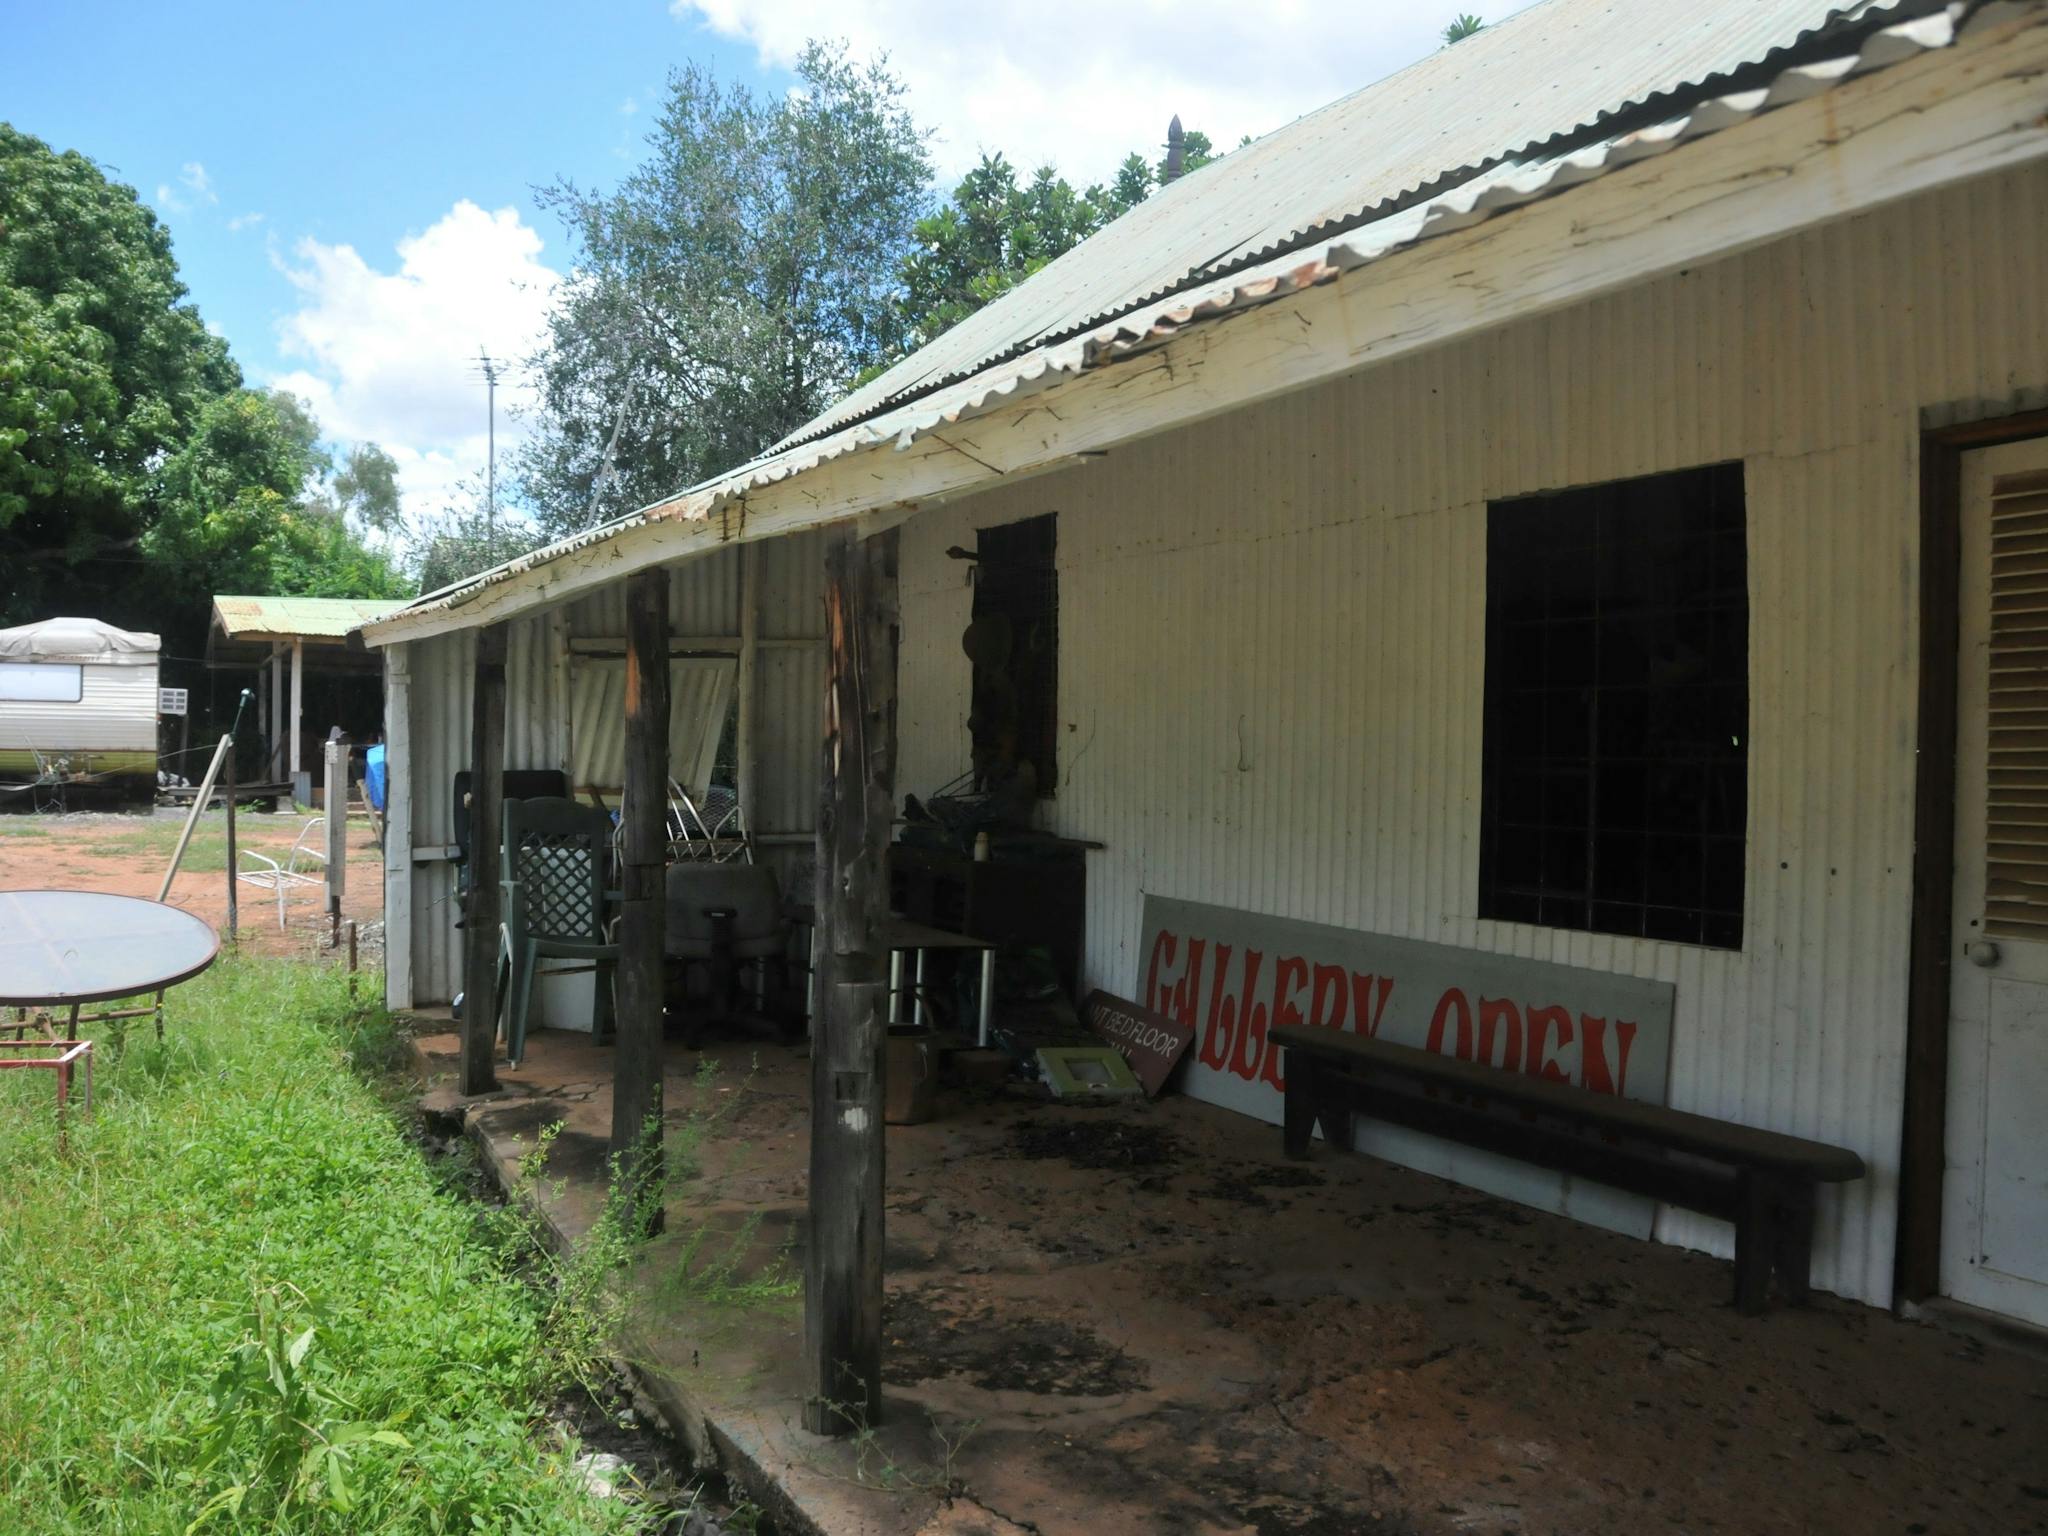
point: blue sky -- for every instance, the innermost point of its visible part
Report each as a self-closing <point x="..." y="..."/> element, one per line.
<point x="350" y="188"/>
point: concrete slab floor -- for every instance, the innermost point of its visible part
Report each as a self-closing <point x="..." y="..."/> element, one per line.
<point x="1145" y="1320"/>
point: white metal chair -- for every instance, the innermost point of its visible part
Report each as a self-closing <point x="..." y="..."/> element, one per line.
<point x="714" y="832"/>
<point x="282" y="879"/>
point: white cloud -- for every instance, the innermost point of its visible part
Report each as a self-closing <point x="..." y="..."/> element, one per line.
<point x="242" y="221"/>
<point x="194" y="186"/>
<point x="390" y="356"/>
<point x="1081" y="83"/>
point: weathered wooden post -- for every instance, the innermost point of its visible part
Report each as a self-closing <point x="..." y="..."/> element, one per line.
<point x="856" y="806"/>
<point x="637" y="1065"/>
<point x="481" y="917"/>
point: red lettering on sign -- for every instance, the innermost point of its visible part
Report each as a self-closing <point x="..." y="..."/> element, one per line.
<point x="1500" y="1016"/>
<point x="1251" y="1029"/>
<point x="1541" y="1022"/>
<point x="1163" y="948"/>
<point x="1368" y="1009"/>
<point x="1452" y="998"/>
<point x="1289" y="977"/>
<point x="1186" y="997"/>
<point x="1222" y="1027"/>
<point x="1326" y="1000"/>
<point x="1593" y="1054"/>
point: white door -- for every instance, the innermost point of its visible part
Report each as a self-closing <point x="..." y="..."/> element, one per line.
<point x="1994" y="1245"/>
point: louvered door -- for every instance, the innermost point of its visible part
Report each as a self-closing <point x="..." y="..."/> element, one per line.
<point x="1995" y="1196"/>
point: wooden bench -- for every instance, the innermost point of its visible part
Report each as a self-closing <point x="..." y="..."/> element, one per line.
<point x="1762" y="1181"/>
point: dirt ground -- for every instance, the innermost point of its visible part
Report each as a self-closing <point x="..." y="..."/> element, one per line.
<point x="1144" y="1319"/>
<point x="127" y="855"/>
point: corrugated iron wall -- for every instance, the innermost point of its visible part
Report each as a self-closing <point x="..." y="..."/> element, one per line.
<point x="704" y="599"/>
<point x="1271" y="640"/>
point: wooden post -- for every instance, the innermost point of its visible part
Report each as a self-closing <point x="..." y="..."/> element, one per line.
<point x="267" y="712"/>
<point x="298" y="724"/>
<point x="398" y="826"/>
<point x="273" y="765"/>
<point x="856" y="807"/>
<point x="482" y="916"/>
<point x="636" y="1068"/>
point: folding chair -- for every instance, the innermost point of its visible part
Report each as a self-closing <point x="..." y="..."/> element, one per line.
<point x="280" y="879"/>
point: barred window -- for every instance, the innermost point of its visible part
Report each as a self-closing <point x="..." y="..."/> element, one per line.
<point x="1614" y="784"/>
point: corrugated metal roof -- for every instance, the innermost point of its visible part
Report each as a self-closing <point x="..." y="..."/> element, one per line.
<point x="1508" y="183"/>
<point x="1557" y="69"/>
<point x="308" y="618"/>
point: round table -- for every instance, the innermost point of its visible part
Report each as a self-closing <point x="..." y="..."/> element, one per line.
<point x="60" y="949"/>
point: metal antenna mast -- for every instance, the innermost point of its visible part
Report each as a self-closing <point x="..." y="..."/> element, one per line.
<point x="489" y="369"/>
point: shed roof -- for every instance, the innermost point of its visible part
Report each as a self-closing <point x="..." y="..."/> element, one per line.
<point x="1513" y="92"/>
<point x="1560" y="94"/>
<point x="296" y="618"/>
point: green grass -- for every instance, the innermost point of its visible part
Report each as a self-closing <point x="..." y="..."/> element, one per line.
<point x="243" y="1302"/>
<point x="153" y="846"/>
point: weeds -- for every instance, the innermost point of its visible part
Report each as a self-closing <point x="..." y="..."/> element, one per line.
<point x="243" y="1302"/>
<point x="279" y="1423"/>
<point x="875" y="1466"/>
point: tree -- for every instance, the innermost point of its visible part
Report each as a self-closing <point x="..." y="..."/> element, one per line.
<point x="103" y="369"/>
<point x="464" y="538"/>
<point x="240" y="507"/>
<point x="137" y="476"/>
<point x="1462" y="27"/>
<point x="995" y="231"/>
<point x="736" y="282"/>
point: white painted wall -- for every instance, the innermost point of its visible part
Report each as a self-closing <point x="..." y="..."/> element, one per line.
<point x="1271" y="640"/>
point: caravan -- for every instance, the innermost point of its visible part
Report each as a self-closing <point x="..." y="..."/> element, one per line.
<point x="78" y="706"/>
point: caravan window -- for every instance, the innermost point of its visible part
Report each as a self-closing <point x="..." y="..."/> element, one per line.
<point x="45" y="682"/>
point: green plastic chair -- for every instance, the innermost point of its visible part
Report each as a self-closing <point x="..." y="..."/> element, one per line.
<point x="555" y="854"/>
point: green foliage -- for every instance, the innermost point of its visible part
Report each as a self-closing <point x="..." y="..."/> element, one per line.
<point x="137" y="476"/>
<point x="103" y="365"/>
<point x="736" y="282"/>
<point x="769" y="253"/>
<point x="247" y="1304"/>
<point x="465" y="538"/>
<point x="1462" y="27"/>
<point x="996" y="230"/>
<point x="278" y="1423"/>
<point x="233" y="514"/>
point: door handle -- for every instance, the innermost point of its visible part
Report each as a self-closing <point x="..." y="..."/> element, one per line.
<point x="1982" y="953"/>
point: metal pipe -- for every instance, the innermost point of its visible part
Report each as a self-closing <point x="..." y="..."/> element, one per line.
<point x="199" y="801"/>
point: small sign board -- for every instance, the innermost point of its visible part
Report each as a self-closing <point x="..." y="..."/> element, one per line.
<point x="170" y="701"/>
<point x="1151" y="1042"/>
